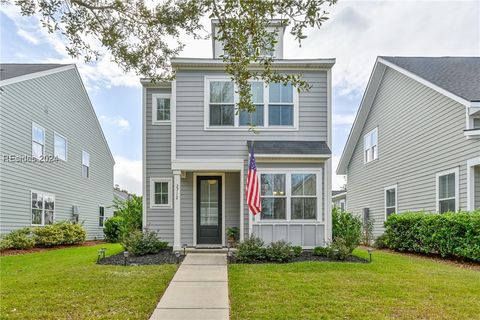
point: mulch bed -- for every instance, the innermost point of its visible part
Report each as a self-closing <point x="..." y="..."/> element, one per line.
<point x="307" y="255"/>
<point x="166" y="256"/>
<point x="14" y="252"/>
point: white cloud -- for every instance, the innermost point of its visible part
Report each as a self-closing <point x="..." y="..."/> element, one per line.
<point x="116" y="121"/>
<point x="27" y="36"/>
<point x="128" y="174"/>
<point x="337" y="181"/>
<point x="343" y="119"/>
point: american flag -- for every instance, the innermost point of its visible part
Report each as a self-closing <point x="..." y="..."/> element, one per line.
<point x="253" y="187"/>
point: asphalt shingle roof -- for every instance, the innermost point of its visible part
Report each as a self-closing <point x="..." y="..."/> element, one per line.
<point x="458" y="75"/>
<point x="13" y="70"/>
<point x="290" y="147"/>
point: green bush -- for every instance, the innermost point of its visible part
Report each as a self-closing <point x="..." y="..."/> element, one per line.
<point x="347" y="227"/>
<point x="48" y="236"/>
<point x="73" y="233"/>
<point x="337" y="250"/>
<point x="131" y="212"/>
<point x="321" y="251"/>
<point x="141" y="243"/>
<point x="380" y="242"/>
<point x="113" y="229"/>
<point x="18" y="239"/>
<point x="297" y="251"/>
<point x="448" y="235"/>
<point x="279" y="251"/>
<point x="251" y="250"/>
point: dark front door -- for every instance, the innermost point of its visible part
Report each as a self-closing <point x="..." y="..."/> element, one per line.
<point x="209" y="210"/>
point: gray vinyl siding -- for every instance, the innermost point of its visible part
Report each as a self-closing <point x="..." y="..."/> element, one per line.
<point x="158" y="165"/>
<point x="195" y="142"/>
<point x="232" y="201"/>
<point x="477" y="187"/>
<point x="420" y="133"/>
<point x="58" y="103"/>
<point x="186" y="209"/>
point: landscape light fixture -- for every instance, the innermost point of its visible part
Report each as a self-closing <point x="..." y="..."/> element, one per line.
<point x="177" y="255"/>
<point x="101" y="254"/>
<point x="125" y="256"/>
<point x="184" y="246"/>
<point x="370" y="250"/>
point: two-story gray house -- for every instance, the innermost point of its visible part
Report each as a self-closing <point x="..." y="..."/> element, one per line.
<point x="415" y="142"/>
<point x="195" y="153"/>
<point x="55" y="162"/>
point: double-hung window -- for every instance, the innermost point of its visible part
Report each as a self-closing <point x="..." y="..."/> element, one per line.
<point x="274" y="196"/>
<point x="101" y="216"/>
<point x="304" y="196"/>
<point x="254" y="118"/>
<point x="38" y="141"/>
<point x="59" y="146"/>
<point x="221" y="104"/>
<point x="390" y="201"/>
<point x="161" y="108"/>
<point x="448" y="191"/>
<point x="370" y="142"/>
<point x="160" y="193"/>
<point x="43" y="208"/>
<point x="280" y="105"/>
<point x="85" y="164"/>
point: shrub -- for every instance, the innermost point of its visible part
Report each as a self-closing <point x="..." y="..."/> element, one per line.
<point x="18" y="239"/>
<point x="347" y="227"/>
<point x="321" y="251"/>
<point x="48" y="236"/>
<point x="131" y="212"/>
<point x="141" y="243"/>
<point x="73" y="233"/>
<point x="380" y="242"/>
<point x="251" y="250"/>
<point x="448" y="235"/>
<point x="113" y="229"/>
<point x="297" y="251"/>
<point x="367" y="231"/>
<point x="279" y="251"/>
<point x="339" y="249"/>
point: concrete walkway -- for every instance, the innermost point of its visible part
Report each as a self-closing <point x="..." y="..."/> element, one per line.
<point x="199" y="290"/>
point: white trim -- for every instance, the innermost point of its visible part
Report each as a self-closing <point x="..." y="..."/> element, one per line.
<point x="242" y="209"/>
<point x="156" y="96"/>
<point x="328" y="163"/>
<point x="154" y="180"/>
<point x="471" y="163"/>
<point x="456" y="171"/>
<point x="43" y="206"/>
<point x="208" y="164"/>
<point x="293" y="156"/>
<point x="36" y="75"/>
<point x="303" y="64"/>
<point x="66" y="145"/>
<point x="392" y="187"/>
<point x="177" y="236"/>
<point x="173" y="118"/>
<point x="339" y="196"/>
<point x="144" y="159"/>
<point x="34" y="124"/>
<point x="199" y="174"/>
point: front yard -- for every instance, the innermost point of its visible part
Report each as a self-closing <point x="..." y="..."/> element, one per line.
<point x="393" y="286"/>
<point x="67" y="284"/>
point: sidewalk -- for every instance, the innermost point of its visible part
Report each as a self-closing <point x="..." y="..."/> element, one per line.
<point x="199" y="290"/>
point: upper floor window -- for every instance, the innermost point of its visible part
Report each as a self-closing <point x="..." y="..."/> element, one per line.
<point x="43" y="208"/>
<point x="222" y="105"/>
<point x="280" y="107"/>
<point x="448" y="191"/>
<point x="160" y="193"/>
<point x="38" y="141"/>
<point x="255" y="118"/>
<point x="101" y="216"/>
<point x="85" y="164"/>
<point x="161" y="108"/>
<point x="370" y="142"/>
<point x="390" y="201"/>
<point x="59" y="146"/>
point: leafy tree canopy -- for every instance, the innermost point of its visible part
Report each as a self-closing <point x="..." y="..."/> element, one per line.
<point x="143" y="36"/>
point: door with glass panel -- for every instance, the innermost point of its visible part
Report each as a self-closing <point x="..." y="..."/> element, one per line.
<point x="209" y="210"/>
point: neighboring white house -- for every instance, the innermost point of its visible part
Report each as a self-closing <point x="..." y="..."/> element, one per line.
<point x="195" y="152"/>
<point x="339" y="199"/>
<point x="55" y="162"/>
<point x="415" y="143"/>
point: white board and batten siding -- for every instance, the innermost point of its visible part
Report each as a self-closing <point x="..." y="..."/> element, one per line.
<point x="57" y="102"/>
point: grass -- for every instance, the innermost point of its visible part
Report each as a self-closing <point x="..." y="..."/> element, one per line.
<point x="393" y="286"/>
<point x="68" y="284"/>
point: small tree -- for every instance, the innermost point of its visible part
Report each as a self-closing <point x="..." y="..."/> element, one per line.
<point x="367" y="232"/>
<point x="346" y="228"/>
<point x="130" y="211"/>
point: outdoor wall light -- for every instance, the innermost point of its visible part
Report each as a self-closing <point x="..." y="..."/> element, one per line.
<point x="125" y="257"/>
<point x="370" y="250"/>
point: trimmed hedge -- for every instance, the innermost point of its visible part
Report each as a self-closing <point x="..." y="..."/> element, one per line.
<point x="452" y="234"/>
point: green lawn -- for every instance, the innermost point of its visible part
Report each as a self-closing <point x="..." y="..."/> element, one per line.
<point x="67" y="284"/>
<point x="393" y="286"/>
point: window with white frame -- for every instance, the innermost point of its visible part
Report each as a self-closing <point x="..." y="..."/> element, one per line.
<point x="59" y="146"/>
<point x="390" y="201"/>
<point x="42" y="207"/>
<point x="221" y="103"/>
<point x="161" y="108"/>
<point x="447" y="191"/>
<point x="280" y="104"/>
<point x="85" y="164"/>
<point x="101" y="216"/>
<point x="38" y="141"/>
<point x="476" y="123"/>
<point x="370" y="142"/>
<point x="161" y="193"/>
<point x="254" y="118"/>
<point x="289" y="196"/>
<point x="342" y="205"/>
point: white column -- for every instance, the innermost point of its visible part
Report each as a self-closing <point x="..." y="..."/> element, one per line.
<point x="242" y="208"/>
<point x="176" y="210"/>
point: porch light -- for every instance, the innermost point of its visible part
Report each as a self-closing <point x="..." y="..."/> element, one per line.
<point x="125" y="257"/>
<point x="370" y="250"/>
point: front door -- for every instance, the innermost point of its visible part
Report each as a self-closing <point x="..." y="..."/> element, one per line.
<point x="209" y="210"/>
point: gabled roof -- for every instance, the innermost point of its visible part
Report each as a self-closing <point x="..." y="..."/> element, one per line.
<point x="455" y="77"/>
<point x="13" y="72"/>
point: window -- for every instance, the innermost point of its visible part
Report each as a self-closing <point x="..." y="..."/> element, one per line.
<point x="43" y="208"/>
<point x="59" y="146"/>
<point x="85" y="164"/>
<point x="274" y="196"/>
<point x="447" y="191"/>
<point x="38" y="141"/>
<point x="221" y="104"/>
<point x="342" y="205"/>
<point x="390" y="201"/>
<point x="160" y="193"/>
<point x="371" y="145"/>
<point x="280" y="108"/>
<point x="476" y="123"/>
<point x="101" y="216"/>
<point x="161" y="108"/>
<point x="290" y="196"/>
<point x="255" y="118"/>
<point x="304" y="196"/>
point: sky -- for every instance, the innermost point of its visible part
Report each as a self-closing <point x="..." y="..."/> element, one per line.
<point x="357" y="32"/>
